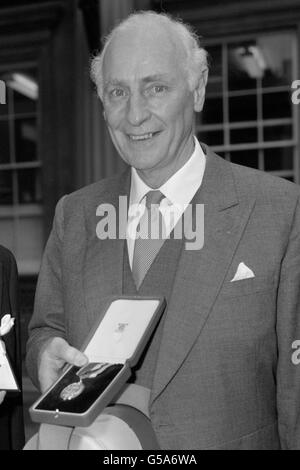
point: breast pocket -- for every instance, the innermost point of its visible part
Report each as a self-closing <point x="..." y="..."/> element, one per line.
<point x="247" y="286"/>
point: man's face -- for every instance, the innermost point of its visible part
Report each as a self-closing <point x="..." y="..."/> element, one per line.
<point x="147" y="103"/>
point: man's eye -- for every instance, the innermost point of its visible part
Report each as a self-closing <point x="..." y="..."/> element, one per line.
<point x="117" y="93"/>
<point x="156" y="90"/>
<point x="159" y="89"/>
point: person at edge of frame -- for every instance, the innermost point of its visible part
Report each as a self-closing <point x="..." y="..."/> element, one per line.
<point x="11" y="403"/>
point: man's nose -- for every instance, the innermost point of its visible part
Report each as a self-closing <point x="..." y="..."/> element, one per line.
<point x="137" y="111"/>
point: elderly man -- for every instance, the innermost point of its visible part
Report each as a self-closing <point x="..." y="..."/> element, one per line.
<point x="220" y="365"/>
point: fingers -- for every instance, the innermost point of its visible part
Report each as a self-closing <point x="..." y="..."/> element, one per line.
<point x="62" y="351"/>
<point x="47" y="378"/>
<point x="56" y="354"/>
<point x="73" y="356"/>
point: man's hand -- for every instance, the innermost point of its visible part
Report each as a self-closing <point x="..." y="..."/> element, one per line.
<point x="2" y="395"/>
<point x="55" y="355"/>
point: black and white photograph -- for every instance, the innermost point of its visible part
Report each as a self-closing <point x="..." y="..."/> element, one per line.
<point x="149" y="227"/>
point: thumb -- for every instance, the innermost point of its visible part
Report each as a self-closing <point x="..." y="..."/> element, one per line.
<point x="75" y="357"/>
<point x="70" y="354"/>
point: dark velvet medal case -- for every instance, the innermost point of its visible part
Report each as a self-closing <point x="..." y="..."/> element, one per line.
<point x="113" y="347"/>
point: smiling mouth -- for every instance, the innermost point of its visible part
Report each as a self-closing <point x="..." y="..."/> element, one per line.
<point x="142" y="137"/>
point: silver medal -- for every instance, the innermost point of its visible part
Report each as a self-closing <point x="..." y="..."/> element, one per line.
<point x="72" y="391"/>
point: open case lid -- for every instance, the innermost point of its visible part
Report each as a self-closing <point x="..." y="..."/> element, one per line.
<point x="123" y="330"/>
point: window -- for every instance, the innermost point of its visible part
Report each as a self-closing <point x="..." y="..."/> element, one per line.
<point x="20" y="169"/>
<point x="248" y="115"/>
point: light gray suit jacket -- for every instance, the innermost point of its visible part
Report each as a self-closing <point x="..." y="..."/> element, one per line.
<point x="224" y="377"/>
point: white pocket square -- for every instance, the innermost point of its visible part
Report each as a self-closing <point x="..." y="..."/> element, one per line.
<point x="242" y="272"/>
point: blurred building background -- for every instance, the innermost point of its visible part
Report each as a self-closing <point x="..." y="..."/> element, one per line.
<point x="53" y="138"/>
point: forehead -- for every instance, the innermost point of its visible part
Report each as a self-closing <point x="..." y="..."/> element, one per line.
<point x="137" y="53"/>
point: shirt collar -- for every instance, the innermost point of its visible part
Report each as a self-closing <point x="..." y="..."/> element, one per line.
<point x="181" y="187"/>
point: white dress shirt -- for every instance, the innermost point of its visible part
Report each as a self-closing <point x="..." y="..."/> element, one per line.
<point x="178" y="190"/>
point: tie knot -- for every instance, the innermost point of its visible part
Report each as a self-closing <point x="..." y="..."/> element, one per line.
<point x="153" y="197"/>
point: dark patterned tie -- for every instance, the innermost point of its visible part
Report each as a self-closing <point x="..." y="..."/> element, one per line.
<point x="151" y="226"/>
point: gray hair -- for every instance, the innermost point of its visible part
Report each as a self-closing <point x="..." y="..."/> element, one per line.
<point x="196" y="56"/>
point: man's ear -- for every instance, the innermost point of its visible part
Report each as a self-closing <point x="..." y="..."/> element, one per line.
<point x="199" y="92"/>
<point x="104" y="115"/>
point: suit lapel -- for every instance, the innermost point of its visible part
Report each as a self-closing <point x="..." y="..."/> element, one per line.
<point x="201" y="273"/>
<point x="103" y="266"/>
